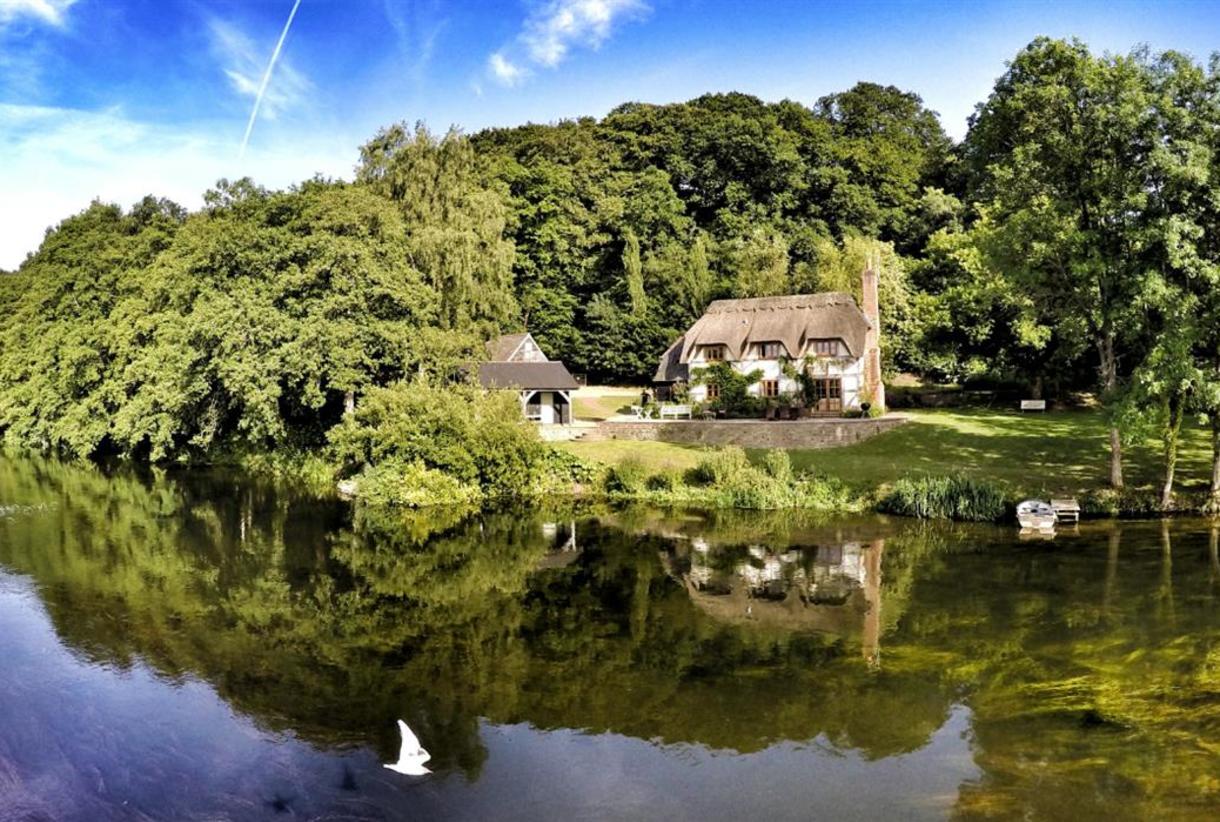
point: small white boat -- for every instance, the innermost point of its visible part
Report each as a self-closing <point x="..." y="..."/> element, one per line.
<point x="1036" y="515"/>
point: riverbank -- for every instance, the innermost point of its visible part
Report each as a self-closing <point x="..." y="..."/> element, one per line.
<point x="1047" y="455"/>
<point x="420" y="459"/>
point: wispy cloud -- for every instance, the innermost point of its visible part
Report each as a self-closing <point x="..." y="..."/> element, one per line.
<point x="48" y="11"/>
<point x="245" y="64"/>
<point x="417" y="30"/>
<point x="552" y="32"/>
<point x="504" y="70"/>
<point x="554" y="29"/>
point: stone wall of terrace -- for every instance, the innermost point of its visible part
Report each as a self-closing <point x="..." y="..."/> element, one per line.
<point x="823" y="432"/>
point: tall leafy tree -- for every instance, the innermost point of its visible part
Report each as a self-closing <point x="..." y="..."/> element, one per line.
<point x="59" y="352"/>
<point x="456" y="219"/>
<point x="1182" y="209"/>
<point x="888" y="149"/>
<point x="1061" y="153"/>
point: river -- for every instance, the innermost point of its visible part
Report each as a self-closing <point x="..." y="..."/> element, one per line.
<point x="198" y="645"/>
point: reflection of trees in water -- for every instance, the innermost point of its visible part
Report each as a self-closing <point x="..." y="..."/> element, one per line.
<point x="1085" y="685"/>
<point x="307" y="622"/>
<point x="1089" y="690"/>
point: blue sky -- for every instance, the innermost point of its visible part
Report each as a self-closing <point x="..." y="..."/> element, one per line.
<point x="118" y="98"/>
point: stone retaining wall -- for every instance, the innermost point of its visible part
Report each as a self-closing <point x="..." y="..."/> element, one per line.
<point x="814" y="433"/>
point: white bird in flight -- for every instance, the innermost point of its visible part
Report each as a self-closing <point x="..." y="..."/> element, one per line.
<point x="411" y="757"/>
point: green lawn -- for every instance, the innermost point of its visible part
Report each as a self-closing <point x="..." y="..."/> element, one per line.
<point x="658" y="456"/>
<point x="1044" y="454"/>
<point x="600" y="403"/>
<point x="598" y="408"/>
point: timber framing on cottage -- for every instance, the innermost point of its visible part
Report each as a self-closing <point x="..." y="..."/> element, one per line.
<point x="834" y="341"/>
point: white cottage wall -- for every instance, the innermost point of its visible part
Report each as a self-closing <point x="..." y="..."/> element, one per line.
<point x="849" y="372"/>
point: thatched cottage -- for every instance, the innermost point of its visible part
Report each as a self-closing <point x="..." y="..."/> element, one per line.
<point x="545" y="387"/>
<point x="826" y="335"/>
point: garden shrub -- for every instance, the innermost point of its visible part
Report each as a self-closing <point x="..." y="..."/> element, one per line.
<point x="754" y="488"/>
<point x="664" y="481"/>
<point x="720" y="466"/>
<point x="826" y="494"/>
<point x="564" y="466"/>
<point x="413" y="485"/>
<point x="939" y="497"/>
<point x="628" y="477"/>
<point x="1133" y="502"/>
<point x="778" y="465"/>
<point x="478" y="438"/>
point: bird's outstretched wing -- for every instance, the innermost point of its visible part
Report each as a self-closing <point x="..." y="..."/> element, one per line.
<point x="410" y="742"/>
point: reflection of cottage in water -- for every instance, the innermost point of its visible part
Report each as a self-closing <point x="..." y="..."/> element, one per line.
<point x="833" y="589"/>
<point x="562" y="549"/>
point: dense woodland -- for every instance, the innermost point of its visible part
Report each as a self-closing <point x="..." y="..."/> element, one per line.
<point x="1069" y="243"/>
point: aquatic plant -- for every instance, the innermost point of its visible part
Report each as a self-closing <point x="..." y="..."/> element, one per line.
<point x="945" y="497"/>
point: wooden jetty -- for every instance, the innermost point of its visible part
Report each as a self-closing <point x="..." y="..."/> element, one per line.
<point x="1066" y="510"/>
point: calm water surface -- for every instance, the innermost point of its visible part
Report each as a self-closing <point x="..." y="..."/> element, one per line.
<point x="205" y="647"/>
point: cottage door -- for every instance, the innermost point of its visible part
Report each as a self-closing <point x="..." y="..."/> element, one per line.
<point x="828" y="395"/>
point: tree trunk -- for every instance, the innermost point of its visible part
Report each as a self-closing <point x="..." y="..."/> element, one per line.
<point x="1176" y="404"/>
<point x="1116" y="457"/>
<point x="1214" y="501"/>
<point x="1035" y="390"/>
<point x="349" y="403"/>
<point x="1109" y="382"/>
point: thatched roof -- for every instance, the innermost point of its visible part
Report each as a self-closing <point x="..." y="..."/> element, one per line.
<point x="501" y="348"/>
<point x="538" y="376"/>
<point x="672" y="368"/>
<point x="736" y="324"/>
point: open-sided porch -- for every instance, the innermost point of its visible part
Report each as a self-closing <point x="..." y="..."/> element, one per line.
<point x="547" y="407"/>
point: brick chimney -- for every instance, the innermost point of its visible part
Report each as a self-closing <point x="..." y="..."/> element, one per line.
<point x="874" y="389"/>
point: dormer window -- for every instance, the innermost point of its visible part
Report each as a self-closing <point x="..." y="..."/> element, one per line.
<point x="713" y="353"/>
<point x="769" y="350"/>
<point x="824" y="348"/>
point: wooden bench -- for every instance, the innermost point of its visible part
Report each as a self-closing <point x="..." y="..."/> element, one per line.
<point x="1033" y="405"/>
<point x="1066" y="510"/>
<point x="675" y="411"/>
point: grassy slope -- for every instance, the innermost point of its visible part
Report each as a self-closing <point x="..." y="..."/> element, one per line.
<point x="1060" y="452"/>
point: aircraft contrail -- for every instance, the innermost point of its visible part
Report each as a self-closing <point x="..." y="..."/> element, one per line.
<point x="262" y="87"/>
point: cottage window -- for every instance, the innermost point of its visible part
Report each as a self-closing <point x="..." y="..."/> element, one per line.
<point x="770" y="350"/>
<point x="825" y="348"/>
<point x="770" y="388"/>
<point x="713" y="390"/>
<point x="713" y="353"/>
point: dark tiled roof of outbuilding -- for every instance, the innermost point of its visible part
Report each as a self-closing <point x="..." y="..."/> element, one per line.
<point x="502" y="347"/>
<point x="547" y="376"/>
